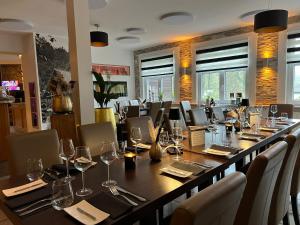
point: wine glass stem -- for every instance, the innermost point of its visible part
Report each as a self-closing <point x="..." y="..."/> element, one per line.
<point x="108" y="178"/>
<point x="67" y="165"/>
<point x="136" y="148"/>
<point x="83" y="180"/>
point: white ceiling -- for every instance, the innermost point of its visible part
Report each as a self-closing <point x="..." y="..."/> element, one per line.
<point x="48" y="16"/>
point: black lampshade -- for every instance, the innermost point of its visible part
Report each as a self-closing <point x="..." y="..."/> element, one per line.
<point x="99" y="38"/>
<point x="271" y="21"/>
<point x="174" y="114"/>
<point x="245" y="102"/>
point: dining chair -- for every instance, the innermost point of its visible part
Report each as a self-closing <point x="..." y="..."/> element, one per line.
<point x="133" y="111"/>
<point x="219" y="115"/>
<point x="295" y="189"/>
<point x="283" y="108"/>
<point x="93" y="135"/>
<point x="216" y="204"/>
<point x="159" y="118"/>
<point x="134" y="102"/>
<point x="36" y="145"/>
<point x="154" y="108"/>
<point x="167" y="105"/>
<point x="261" y="178"/>
<point x="281" y="196"/>
<point x="146" y="125"/>
<point x="169" y="124"/>
<point x="198" y="117"/>
<point x="185" y="108"/>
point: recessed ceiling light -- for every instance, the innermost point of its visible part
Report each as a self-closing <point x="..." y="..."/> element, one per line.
<point x="97" y="4"/>
<point x="177" y="18"/>
<point x="15" y="24"/>
<point x="128" y="39"/>
<point x="135" y="30"/>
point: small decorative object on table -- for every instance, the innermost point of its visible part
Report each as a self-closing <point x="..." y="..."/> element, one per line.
<point x="130" y="159"/>
<point x="61" y="93"/>
<point x="196" y="135"/>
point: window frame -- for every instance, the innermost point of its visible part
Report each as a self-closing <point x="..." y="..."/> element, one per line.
<point x="290" y="75"/>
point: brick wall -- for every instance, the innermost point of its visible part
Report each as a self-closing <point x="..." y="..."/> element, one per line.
<point x="266" y="79"/>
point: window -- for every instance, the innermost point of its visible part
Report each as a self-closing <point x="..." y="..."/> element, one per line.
<point x="222" y="70"/>
<point x="158" y="77"/>
<point x="293" y="67"/>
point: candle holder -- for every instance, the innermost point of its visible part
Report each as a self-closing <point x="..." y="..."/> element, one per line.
<point x="130" y="159"/>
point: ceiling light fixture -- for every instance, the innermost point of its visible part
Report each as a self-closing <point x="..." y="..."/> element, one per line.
<point x="98" y="38"/>
<point x="177" y="18"/>
<point x="135" y="30"/>
<point x="271" y="21"/>
<point x="15" y="24"/>
<point x="128" y="39"/>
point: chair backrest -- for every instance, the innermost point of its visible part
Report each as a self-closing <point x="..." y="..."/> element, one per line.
<point x="167" y="105"/>
<point x="134" y="102"/>
<point x="261" y="178"/>
<point x="41" y="144"/>
<point x="159" y="117"/>
<point x="169" y="124"/>
<point x="295" y="186"/>
<point x="216" y="204"/>
<point x="198" y="117"/>
<point x="218" y="112"/>
<point x="281" y="108"/>
<point x="154" y="108"/>
<point x="133" y="111"/>
<point x="93" y="135"/>
<point x="145" y="123"/>
<point x="185" y="108"/>
<point x="281" y="195"/>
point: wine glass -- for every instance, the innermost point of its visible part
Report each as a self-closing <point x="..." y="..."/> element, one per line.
<point x="107" y="155"/>
<point x="34" y="169"/>
<point x="273" y="110"/>
<point x="164" y="138"/>
<point x="177" y="138"/>
<point x="125" y="111"/>
<point x="66" y="152"/>
<point x="62" y="194"/>
<point x="136" y="136"/>
<point x="83" y="161"/>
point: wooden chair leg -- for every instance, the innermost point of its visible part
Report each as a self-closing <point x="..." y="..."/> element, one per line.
<point x="295" y="210"/>
<point x="286" y="220"/>
<point x="188" y="194"/>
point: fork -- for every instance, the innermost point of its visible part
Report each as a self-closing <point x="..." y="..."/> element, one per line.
<point x="115" y="192"/>
<point x="35" y="209"/>
<point x="33" y="204"/>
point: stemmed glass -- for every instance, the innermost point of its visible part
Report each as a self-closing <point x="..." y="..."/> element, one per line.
<point x="83" y="161"/>
<point x="125" y="111"/>
<point x="136" y="136"/>
<point x="66" y="152"/>
<point x="273" y="110"/>
<point x="107" y="155"/>
<point x="177" y="138"/>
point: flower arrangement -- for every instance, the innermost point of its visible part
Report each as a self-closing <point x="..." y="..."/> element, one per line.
<point x="57" y="85"/>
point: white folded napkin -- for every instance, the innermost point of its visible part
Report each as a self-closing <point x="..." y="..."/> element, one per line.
<point x="86" y="213"/>
<point x="176" y="172"/>
<point x="216" y="152"/>
<point x="24" y="188"/>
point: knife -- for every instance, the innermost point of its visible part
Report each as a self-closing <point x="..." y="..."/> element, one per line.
<point x="86" y="213"/>
<point x="133" y="195"/>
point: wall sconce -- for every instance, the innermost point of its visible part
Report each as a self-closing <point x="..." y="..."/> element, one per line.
<point x="185" y="70"/>
<point x="266" y="62"/>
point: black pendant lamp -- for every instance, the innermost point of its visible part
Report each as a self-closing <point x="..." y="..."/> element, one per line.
<point x="99" y="38"/>
<point x="270" y="21"/>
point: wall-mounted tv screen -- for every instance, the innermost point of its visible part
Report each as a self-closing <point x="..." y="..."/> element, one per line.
<point x="11" y="85"/>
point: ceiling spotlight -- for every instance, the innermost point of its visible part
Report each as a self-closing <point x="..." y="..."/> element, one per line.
<point x="15" y="24"/>
<point x="128" y="39"/>
<point x="135" y="30"/>
<point x="177" y="18"/>
<point x="97" y="4"/>
<point x="98" y="38"/>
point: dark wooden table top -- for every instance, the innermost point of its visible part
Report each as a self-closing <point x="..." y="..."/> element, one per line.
<point x="146" y="180"/>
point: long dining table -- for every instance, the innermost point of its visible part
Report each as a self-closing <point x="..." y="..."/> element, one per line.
<point x="145" y="180"/>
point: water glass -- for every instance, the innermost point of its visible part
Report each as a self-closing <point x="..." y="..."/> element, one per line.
<point x="34" y="169"/>
<point x="62" y="194"/>
<point x="177" y="138"/>
<point x="273" y="110"/>
<point x="284" y="116"/>
<point x="83" y="161"/>
<point x="164" y="138"/>
<point x="227" y="138"/>
<point x="107" y="155"/>
<point x="136" y="136"/>
<point x="66" y="152"/>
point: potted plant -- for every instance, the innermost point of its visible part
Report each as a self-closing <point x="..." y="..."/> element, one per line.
<point x="103" y="95"/>
<point x="61" y="92"/>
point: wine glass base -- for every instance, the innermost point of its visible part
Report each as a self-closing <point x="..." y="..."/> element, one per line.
<point x="84" y="192"/>
<point x="69" y="178"/>
<point x="109" y="183"/>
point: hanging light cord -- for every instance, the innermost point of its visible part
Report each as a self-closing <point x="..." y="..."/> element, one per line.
<point x="269" y="4"/>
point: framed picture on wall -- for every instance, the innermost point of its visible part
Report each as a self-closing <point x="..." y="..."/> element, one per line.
<point x="112" y="70"/>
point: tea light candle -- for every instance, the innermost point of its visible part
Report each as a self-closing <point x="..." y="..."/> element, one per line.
<point x="130" y="159"/>
<point x="228" y="126"/>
